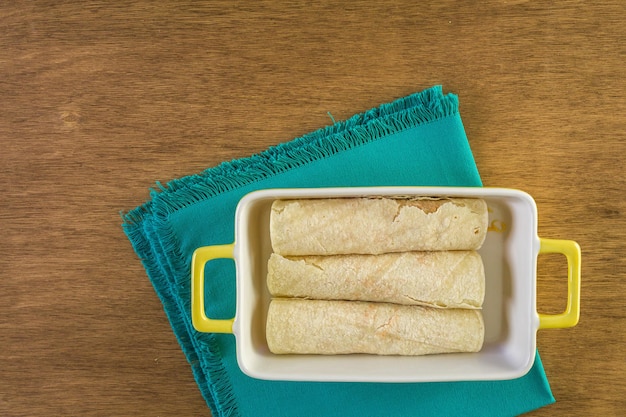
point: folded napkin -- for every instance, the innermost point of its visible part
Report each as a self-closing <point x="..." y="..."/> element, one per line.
<point x="416" y="140"/>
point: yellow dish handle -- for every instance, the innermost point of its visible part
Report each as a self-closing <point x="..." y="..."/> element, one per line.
<point x="571" y="250"/>
<point x="198" y="317"/>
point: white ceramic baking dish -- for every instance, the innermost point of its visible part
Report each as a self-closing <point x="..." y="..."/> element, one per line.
<point x="509" y="254"/>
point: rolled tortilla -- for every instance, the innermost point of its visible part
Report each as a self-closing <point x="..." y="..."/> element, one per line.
<point x="341" y="327"/>
<point x="449" y="279"/>
<point x="376" y="225"/>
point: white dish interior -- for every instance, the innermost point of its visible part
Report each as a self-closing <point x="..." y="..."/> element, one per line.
<point x="511" y="321"/>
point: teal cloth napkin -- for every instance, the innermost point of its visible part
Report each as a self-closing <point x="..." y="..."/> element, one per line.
<point x="415" y="140"/>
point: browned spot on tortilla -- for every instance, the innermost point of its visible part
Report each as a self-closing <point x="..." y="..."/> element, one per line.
<point x="428" y="206"/>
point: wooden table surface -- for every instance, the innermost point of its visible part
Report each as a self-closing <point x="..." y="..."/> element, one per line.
<point x="98" y="102"/>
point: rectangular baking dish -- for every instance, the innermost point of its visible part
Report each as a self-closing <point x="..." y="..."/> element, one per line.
<point x="509" y="254"/>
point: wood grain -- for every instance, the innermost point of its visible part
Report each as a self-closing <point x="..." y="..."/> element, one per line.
<point x="101" y="100"/>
